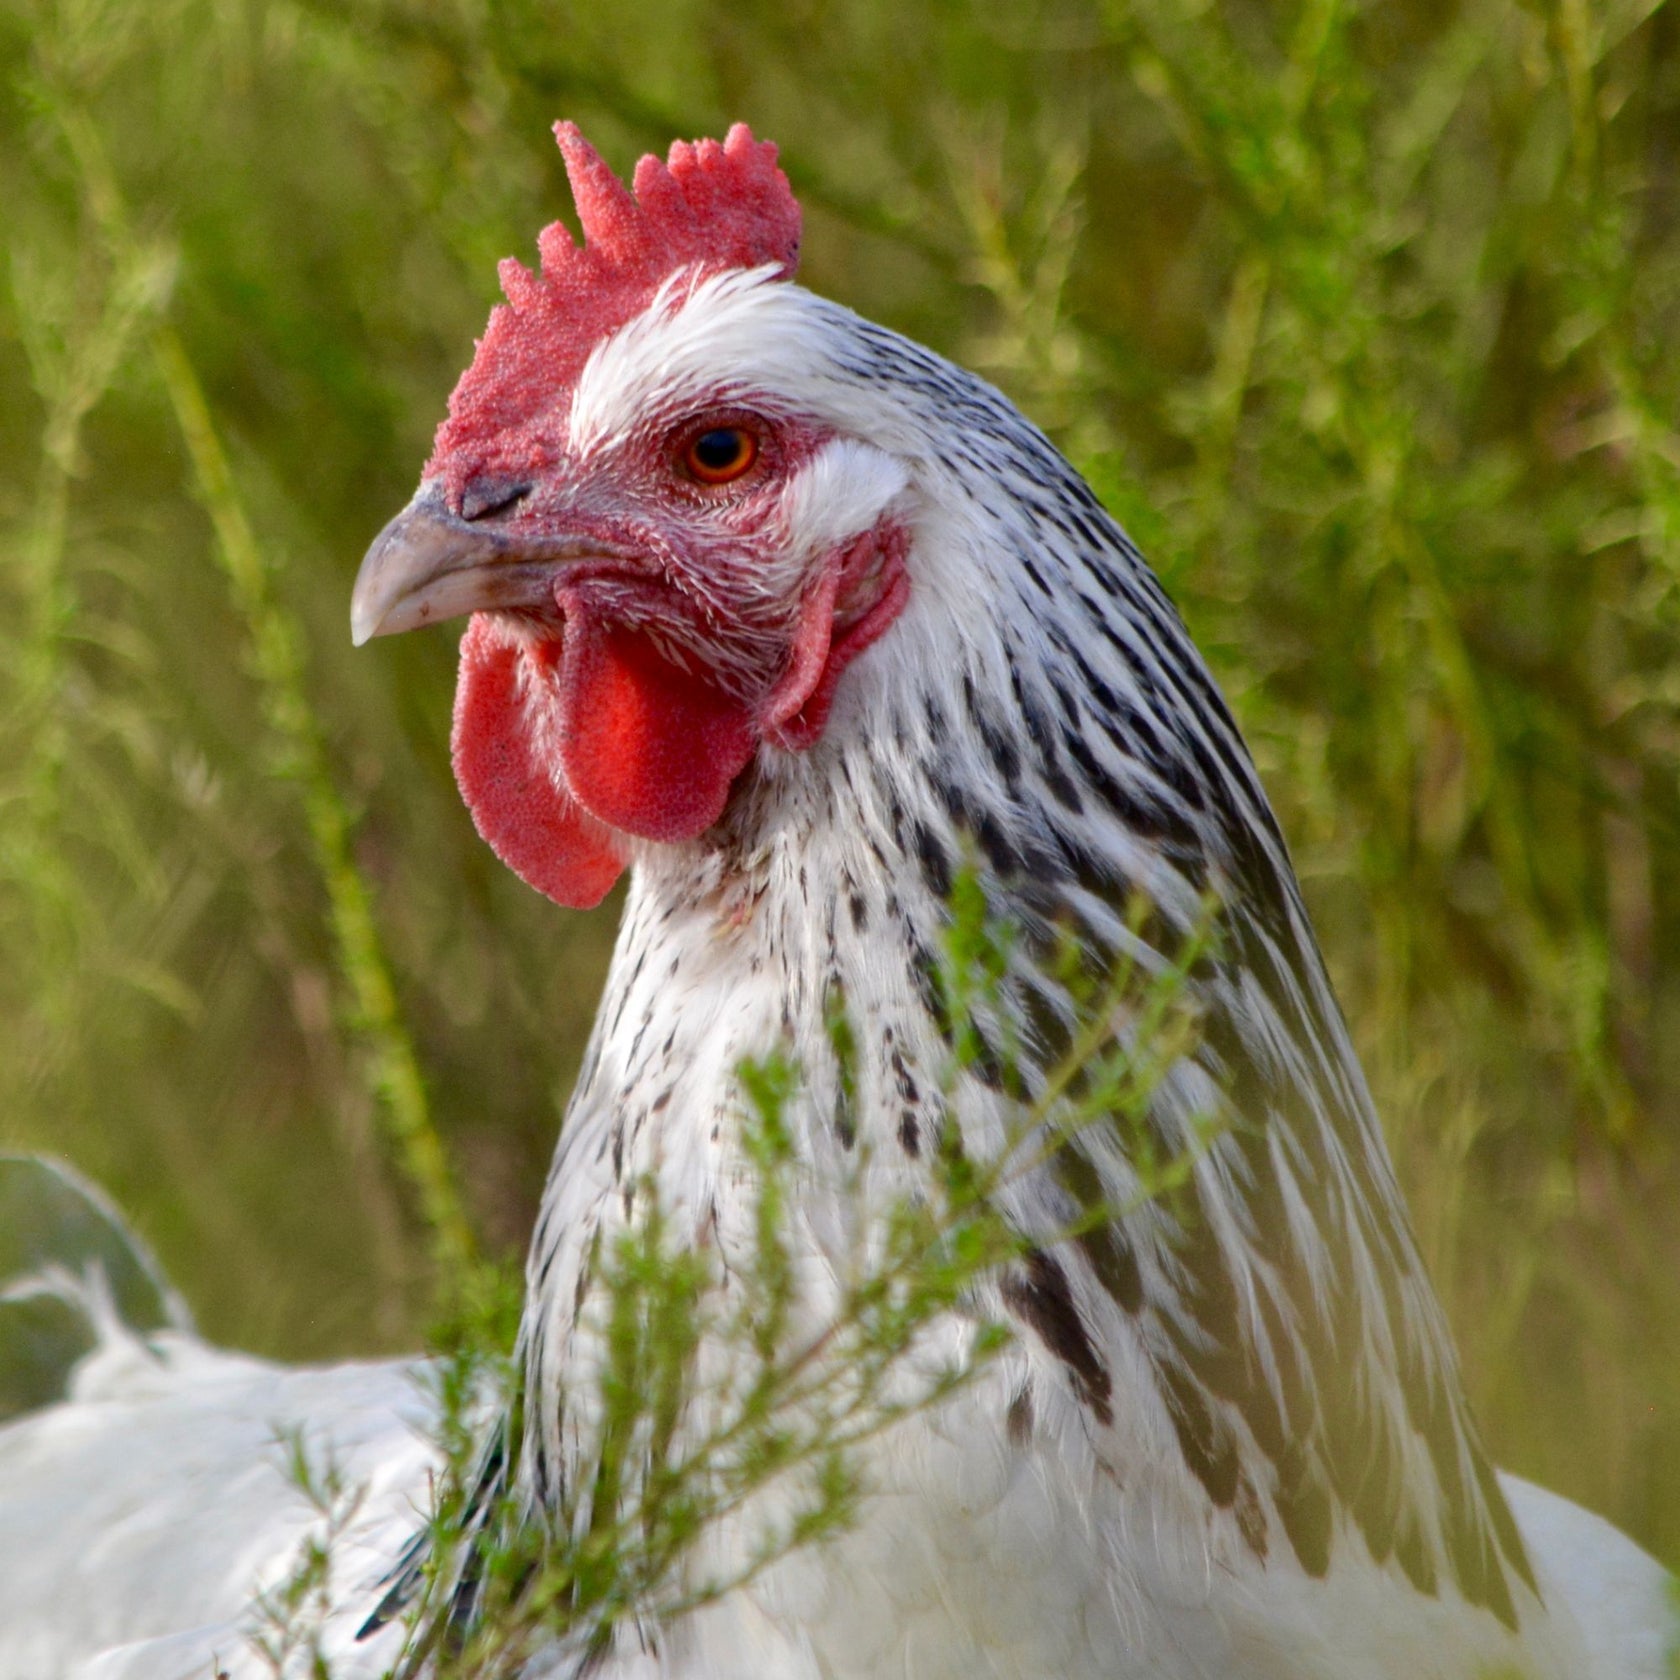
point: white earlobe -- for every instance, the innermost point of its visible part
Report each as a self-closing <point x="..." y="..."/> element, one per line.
<point x="840" y="493"/>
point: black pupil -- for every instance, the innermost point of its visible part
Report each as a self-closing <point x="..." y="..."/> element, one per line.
<point x="718" y="451"/>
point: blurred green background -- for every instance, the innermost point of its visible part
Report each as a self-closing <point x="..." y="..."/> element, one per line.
<point x="1363" y="317"/>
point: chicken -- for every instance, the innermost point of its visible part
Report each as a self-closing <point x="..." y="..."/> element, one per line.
<point x="793" y="620"/>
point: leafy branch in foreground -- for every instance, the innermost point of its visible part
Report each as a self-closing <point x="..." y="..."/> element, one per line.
<point x="731" y="1398"/>
<point x="292" y="1616"/>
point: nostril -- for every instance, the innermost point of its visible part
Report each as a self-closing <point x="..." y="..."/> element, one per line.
<point x="486" y="496"/>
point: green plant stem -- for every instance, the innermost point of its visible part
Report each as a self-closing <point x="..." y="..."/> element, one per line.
<point x="398" y="1086"/>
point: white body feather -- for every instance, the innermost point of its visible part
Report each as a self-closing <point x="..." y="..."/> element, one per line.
<point x="144" y="1519"/>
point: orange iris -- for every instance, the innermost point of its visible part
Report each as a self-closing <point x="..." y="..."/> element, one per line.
<point x="721" y="454"/>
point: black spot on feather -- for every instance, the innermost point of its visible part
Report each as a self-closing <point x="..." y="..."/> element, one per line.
<point x="1101" y="1238"/>
<point x="1505" y="1525"/>
<point x="1304" y="1509"/>
<point x="1041" y="1298"/>
<point x="843" y="1042"/>
<point x="935" y="862"/>
<point x="1018" y="1420"/>
<point x="909" y="1134"/>
<point x="1415" y="1557"/>
<point x="1203" y="1437"/>
<point x="1251" y="1517"/>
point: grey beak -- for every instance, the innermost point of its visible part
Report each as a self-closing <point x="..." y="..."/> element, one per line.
<point x="430" y="564"/>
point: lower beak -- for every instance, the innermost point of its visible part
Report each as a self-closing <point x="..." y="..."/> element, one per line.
<point x="429" y="564"/>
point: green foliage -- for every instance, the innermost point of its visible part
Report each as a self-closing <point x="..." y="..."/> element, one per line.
<point x="723" y="1426"/>
<point x="1359" y="315"/>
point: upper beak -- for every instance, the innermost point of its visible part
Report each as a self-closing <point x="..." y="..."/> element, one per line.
<point x="430" y="564"/>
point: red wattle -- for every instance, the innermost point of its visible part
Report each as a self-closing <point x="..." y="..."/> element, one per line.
<point x="538" y="830"/>
<point x="796" y="712"/>
<point x="646" y="746"/>
<point x="813" y="637"/>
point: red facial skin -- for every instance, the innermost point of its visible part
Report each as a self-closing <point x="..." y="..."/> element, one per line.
<point x="697" y="639"/>
<point x="636" y="705"/>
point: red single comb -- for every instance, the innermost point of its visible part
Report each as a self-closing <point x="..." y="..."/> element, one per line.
<point x="708" y="207"/>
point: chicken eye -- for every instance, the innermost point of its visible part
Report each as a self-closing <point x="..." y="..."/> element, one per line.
<point x="721" y="454"/>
